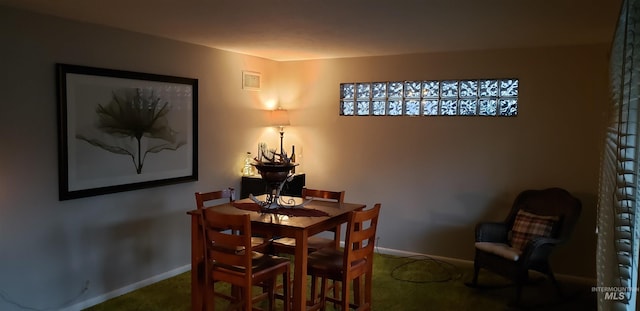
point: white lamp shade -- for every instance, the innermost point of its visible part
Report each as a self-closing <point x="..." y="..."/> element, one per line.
<point x="279" y="117"/>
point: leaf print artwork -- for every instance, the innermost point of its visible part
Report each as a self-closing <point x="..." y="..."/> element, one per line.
<point x="133" y="123"/>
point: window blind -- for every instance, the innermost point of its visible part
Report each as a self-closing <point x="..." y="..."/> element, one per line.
<point x="617" y="250"/>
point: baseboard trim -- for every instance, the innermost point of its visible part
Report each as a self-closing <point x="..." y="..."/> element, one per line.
<point x="129" y="288"/>
<point x="387" y="251"/>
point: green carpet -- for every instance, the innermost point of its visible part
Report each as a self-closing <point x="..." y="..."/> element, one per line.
<point x="400" y="284"/>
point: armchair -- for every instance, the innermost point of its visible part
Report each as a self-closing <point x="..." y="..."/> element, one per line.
<point x="538" y="222"/>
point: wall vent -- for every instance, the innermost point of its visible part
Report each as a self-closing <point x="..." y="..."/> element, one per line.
<point x="251" y="80"/>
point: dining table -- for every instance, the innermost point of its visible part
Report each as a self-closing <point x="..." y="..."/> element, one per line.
<point x="299" y="223"/>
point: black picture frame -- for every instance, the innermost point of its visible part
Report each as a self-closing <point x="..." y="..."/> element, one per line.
<point x="123" y="130"/>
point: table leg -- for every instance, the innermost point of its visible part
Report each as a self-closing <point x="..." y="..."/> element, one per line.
<point x="197" y="281"/>
<point x="300" y="272"/>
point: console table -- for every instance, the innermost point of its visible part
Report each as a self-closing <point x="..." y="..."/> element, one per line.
<point x="256" y="186"/>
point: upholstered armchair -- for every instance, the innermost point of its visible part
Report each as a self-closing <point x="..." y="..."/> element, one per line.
<point x="539" y="221"/>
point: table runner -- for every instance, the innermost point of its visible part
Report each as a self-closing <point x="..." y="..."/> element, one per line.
<point x="288" y="211"/>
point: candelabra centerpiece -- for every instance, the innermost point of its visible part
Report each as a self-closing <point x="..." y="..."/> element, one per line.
<point x="275" y="169"/>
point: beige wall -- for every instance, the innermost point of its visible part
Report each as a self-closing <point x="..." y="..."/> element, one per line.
<point x="435" y="177"/>
<point x="120" y="241"/>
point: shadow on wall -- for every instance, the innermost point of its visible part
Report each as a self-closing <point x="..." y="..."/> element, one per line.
<point x="579" y="254"/>
<point x="456" y="235"/>
<point x="135" y="250"/>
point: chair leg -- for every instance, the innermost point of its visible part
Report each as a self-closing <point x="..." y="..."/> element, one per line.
<point x="474" y="280"/>
<point x="286" y="285"/>
<point x="314" y="289"/>
<point x="345" y="295"/>
<point x="248" y="299"/>
<point x="519" y="286"/>
<point x="521" y="279"/>
<point x="336" y="291"/>
<point x="555" y="282"/>
<point x="271" y="292"/>
<point x="323" y="293"/>
<point x="368" y="288"/>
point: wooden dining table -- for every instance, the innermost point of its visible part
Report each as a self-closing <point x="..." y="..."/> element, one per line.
<point x="272" y="224"/>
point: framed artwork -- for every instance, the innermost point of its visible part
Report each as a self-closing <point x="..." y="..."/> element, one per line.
<point x="123" y="130"/>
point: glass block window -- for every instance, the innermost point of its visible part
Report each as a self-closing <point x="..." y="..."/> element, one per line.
<point x="478" y="97"/>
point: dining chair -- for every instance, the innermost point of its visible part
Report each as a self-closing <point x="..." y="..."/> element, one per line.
<point x="316" y="242"/>
<point x="206" y="199"/>
<point x="227" y="244"/>
<point x="348" y="264"/>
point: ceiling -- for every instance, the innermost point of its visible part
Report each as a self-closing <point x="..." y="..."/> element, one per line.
<point x="313" y="29"/>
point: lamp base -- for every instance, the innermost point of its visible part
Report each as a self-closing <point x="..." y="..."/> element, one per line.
<point x="275" y="176"/>
<point x="275" y="202"/>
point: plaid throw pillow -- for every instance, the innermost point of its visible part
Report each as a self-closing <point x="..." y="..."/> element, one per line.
<point x="528" y="226"/>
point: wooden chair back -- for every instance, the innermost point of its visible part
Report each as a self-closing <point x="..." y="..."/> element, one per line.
<point x="226" y="239"/>
<point x="326" y="195"/>
<point x="337" y="196"/>
<point x="314" y="243"/>
<point x="357" y="261"/>
<point x="229" y="258"/>
<point x="360" y="239"/>
<point x="206" y="199"/>
<point x="203" y="198"/>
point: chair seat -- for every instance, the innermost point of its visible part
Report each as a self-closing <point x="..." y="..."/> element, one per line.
<point x="314" y="243"/>
<point x="329" y="262"/>
<point x="500" y="249"/>
<point x="268" y="261"/>
<point x="258" y="243"/>
<point x="259" y="263"/>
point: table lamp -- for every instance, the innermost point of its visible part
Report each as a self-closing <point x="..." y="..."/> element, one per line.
<point x="280" y="118"/>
